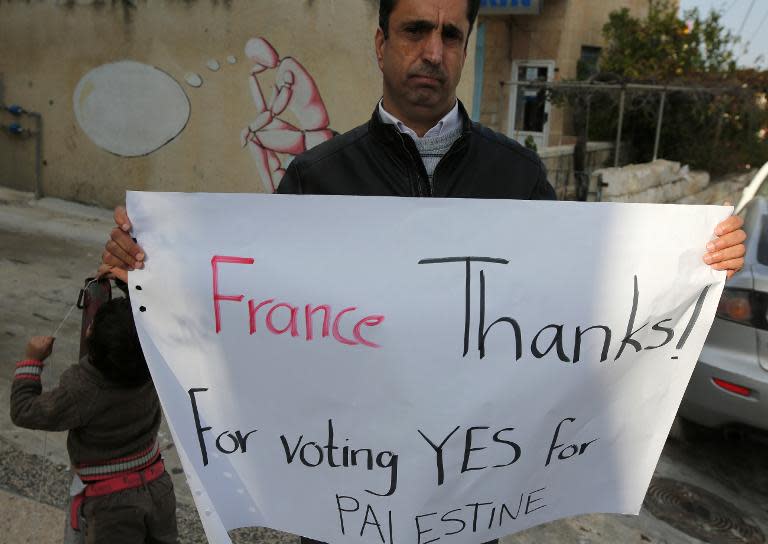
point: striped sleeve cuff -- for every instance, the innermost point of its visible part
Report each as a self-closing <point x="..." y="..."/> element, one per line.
<point x="28" y="370"/>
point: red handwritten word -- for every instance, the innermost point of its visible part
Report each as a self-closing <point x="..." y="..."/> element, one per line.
<point x="331" y="323"/>
<point x="216" y="296"/>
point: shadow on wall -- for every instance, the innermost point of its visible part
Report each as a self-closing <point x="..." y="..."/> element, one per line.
<point x="133" y="109"/>
<point x="129" y="6"/>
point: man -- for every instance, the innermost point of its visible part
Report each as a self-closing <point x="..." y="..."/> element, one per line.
<point x="420" y="141"/>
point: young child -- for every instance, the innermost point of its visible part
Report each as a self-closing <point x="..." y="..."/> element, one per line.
<point x="108" y="404"/>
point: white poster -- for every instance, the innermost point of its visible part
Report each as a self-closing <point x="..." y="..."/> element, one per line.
<point x="409" y="371"/>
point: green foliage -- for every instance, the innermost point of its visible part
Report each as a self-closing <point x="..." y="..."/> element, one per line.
<point x="663" y="46"/>
<point x="717" y="128"/>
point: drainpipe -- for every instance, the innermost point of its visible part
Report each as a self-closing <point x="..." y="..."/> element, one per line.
<point x="499" y="109"/>
<point x="477" y="100"/>
<point x="658" y="126"/>
<point x="38" y="154"/>
<point x="16" y="129"/>
<point x="622" y="99"/>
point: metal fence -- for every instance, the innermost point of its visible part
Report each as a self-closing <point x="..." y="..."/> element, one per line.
<point x="657" y="94"/>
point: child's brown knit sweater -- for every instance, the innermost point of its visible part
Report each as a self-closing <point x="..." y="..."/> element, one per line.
<point x="112" y="429"/>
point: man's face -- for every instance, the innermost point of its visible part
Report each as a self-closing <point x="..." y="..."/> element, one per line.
<point x="423" y="57"/>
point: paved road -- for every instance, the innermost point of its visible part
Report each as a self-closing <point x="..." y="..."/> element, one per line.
<point x="704" y="491"/>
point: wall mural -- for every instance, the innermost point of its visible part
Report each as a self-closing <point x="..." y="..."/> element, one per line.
<point x="268" y="135"/>
<point x="133" y="109"/>
<point x="129" y="108"/>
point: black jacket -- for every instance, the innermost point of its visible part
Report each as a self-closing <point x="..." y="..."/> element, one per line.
<point x="375" y="159"/>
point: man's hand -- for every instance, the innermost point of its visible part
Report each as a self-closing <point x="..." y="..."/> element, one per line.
<point x="121" y="253"/>
<point x="39" y="348"/>
<point x="727" y="251"/>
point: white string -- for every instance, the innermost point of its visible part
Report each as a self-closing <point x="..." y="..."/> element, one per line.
<point x="72" y="309"/>
<point x="44" y="476"/>
<point x="63" y="320"/>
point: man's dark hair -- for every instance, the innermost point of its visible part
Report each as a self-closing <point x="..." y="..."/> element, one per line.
<point x="113" y="345"/>
<point x="386" y="7"/>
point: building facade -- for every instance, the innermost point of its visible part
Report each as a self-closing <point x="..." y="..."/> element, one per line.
<point x="539" y="40"/>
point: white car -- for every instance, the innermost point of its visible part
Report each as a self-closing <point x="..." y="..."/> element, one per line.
<point x="729" y="386"/>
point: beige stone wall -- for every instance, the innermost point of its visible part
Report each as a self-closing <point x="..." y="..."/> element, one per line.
<point x="558" y="34"/>
<point x="666" y="182"/>
<point x="586" y="19"/>
<point x="658" y="182"/>
<point x="49" y="45"/>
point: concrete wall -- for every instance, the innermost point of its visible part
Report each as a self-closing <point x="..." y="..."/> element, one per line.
<point x="659" y="182"/>
<point x="558" y="34"/>
<point x="666" y="182"/>
<point x="558" y="160"/>
<point x="111" y="126"/>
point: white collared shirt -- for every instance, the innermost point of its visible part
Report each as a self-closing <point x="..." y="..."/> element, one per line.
<point x="448" y="123"/>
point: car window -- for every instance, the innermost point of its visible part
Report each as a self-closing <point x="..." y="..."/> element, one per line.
<point x="763" y="190"/>
<point x="762" y="244"/>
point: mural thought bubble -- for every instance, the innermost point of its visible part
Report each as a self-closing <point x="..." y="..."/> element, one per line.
<point x="129" y="108"/>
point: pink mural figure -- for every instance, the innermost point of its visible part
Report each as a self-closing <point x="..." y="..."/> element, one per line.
<point x="269" y="136"/>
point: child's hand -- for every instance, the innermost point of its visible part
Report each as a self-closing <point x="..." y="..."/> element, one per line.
<point x="39" y="348"/>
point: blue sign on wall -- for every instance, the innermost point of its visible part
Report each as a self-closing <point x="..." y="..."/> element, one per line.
<point x="510" y="7"/>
